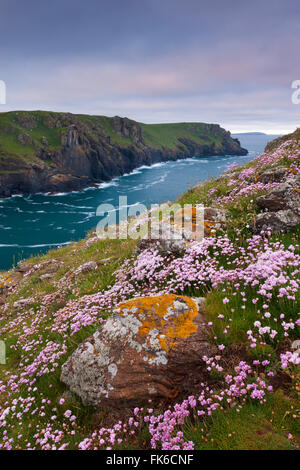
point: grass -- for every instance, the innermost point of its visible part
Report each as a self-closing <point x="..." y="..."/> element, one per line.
<point x="166" y="135"/>
<point x="52" y="126"/>
<point x="273" y="425"/>
<point x="72" y="256"/>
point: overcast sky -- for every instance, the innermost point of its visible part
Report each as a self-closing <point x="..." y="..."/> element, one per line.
<point x="230" y="61"/>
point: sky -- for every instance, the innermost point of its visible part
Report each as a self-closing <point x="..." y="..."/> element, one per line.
<point x="230" y="62"/>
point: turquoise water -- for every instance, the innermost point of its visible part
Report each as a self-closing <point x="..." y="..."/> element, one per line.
<point x="31" y="224"/>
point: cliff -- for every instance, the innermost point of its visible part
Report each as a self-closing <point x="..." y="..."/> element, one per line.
<point x="46" y="151"/>
<point x="275" y="144"/>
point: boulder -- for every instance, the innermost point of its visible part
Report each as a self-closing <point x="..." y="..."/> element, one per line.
<point x="86" y="268"/>
<point x="285" y="196"/>
<point x="281" y="207"/>
<point x="164" y="247"/>
<point x="280" y="221"/>
<point x="145" y="350"/>
<point x="214" y="219"/>
<point x="46" y="276"/>
<point x="173" y="240"/>
<point x="272" y="175"/>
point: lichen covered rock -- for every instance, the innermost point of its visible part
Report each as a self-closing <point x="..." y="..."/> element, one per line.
<point x="281" y="207"/>
<point x="145" y="350"/>
<point x="285" y="196"/>
<point x="272" y="175"/>
<point x="280" y="221"/>
<point x="190" y="224"/>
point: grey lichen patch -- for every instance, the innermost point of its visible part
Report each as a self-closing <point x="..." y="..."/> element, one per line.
<point x="113" y="369"/>
<point x="176" y="309"/>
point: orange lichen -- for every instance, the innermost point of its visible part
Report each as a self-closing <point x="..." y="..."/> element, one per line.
<point x="151" y="311"/>
<point x="6" y="282"/>
<point x="186" y="217"/>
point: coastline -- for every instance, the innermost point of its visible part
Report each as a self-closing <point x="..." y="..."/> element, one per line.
<point x="76" y="211"/>
<point x="81" y="151"/>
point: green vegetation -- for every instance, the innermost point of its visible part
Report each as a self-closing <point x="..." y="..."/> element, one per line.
<point x="158" y="135"/>
<point x="273" y="425"/>
<point x="23" y="134"/>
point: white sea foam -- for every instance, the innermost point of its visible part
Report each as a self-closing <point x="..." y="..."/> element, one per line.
<point x="43" y="245"/>
<point x="107" y="184"/>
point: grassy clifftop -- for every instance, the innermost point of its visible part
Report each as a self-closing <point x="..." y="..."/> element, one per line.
<point x="39" y="124"/>
<point x="45" y="151"/>
<point x="167" y="135"/>
<point x="251" y="286"/>
<point x="23" y="133"/>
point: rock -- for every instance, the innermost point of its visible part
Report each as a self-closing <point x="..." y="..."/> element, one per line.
<point x="27" y="120"/>
<point x="105" y="260"/>
<point x="273" y="175"/>
<point x="13" y="280"/>
<point x="23" y="268"/>
<point x="25" y="139"/>
<point x="214" y="219"/>
<point x="85" y="268"/>
<point x="46" y="276"/>
<point x="174" y="240"/>
<point x="164" y="247"/>
<point x="280" y="221"/>
<point x="285" y="196"/>
<point x="23" y="302"/>
<point x="282" y="205"/>
<point x="145" y="350"/>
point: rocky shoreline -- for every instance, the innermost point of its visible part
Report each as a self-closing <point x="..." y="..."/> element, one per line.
<point x="84" y="152"/>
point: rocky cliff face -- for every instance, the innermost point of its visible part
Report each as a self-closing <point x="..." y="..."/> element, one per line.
<point x="42" y="152"/>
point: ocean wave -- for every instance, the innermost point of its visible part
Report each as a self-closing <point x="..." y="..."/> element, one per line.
<point x="43" y="245"/>
<point x="107" y="184"/>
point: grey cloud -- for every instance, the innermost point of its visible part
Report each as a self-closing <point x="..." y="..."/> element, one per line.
<point x="154" y="60"/>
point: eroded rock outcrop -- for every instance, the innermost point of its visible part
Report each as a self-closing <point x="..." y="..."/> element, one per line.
<point x="174" y="237"/>
<point x="280" y="207"/>
<point x="285" y="196"/>
<point x="145" y="350"/>
<point x="280" y="221"/>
